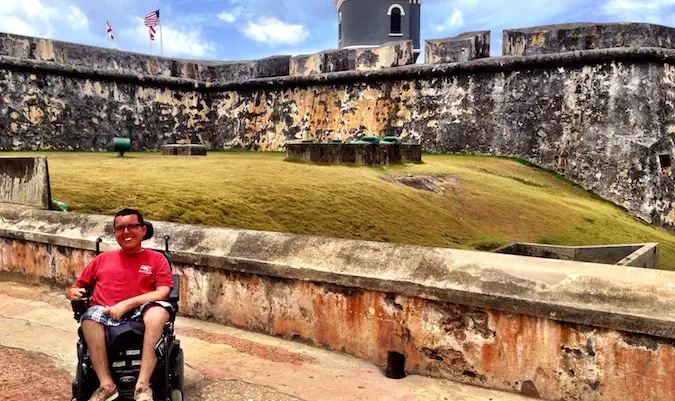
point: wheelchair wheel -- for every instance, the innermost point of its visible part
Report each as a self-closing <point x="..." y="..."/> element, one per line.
<point x="178" y="373"/>
<point x="176" y="395"/>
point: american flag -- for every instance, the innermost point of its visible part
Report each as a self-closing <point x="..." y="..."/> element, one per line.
<point x="152" y="32"/>
<point x="152" y="19"/>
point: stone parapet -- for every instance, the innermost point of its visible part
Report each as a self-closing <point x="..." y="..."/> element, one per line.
<point x="77" y="55"/>
<point x="546" y="328"/>
<point x="560" y="38"/>
<point x="389" y="55"/>
<point x="321" y="63"/>
<point x="465" y="47"/>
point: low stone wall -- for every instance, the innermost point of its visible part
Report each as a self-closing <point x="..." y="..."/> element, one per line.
<point x="635" y="255"/>
<point x="552" y="329"/>
<point x="183" y="150"/>
<point x="354" y="153"/>
<point x="25" y="181"/>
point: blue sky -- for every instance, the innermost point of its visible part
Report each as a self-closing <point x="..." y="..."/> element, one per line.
<point x="252" y="29"/>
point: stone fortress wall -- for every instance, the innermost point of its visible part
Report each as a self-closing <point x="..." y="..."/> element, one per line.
<point x="593" y="102"/>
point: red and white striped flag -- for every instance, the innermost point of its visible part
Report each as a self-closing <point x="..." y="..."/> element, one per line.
<point x="152" y="19"/>
<point x="152" y="32"/>
<point x="108" y="29"/>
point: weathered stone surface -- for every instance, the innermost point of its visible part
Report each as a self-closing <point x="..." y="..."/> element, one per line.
<point x="391" y="54"/>
<point x="73" y="54"/>
<point x="243" y="70"/>
<point x="465" y="47"/>
<point x="306" y="65"/>
<point x="321" y="63"/>
<point x="176" y="149"/>
<point x="550" y="39"/>
<point x="555" y="329"/>
<point x="564" y="112"/>
<point x="25" y="181"/>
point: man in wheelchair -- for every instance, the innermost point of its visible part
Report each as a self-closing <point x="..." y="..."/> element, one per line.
<point x="131" y="284"/>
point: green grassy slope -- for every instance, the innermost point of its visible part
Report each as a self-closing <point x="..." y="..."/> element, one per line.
<point x="494" y="201"/>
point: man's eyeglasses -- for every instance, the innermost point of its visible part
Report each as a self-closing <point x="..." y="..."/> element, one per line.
<point x="130" y="227"/>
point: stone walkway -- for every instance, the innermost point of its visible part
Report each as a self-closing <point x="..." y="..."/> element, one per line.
<point x="37" y="359"/>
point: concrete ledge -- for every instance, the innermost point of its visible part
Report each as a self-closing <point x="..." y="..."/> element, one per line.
<point x="616" y="297"/>
<point x="496" y="321"/>
<point x="25" y="181"/>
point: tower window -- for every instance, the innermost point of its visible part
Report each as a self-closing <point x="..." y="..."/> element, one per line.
<point x="339" y="26"/>
<point x="395" y="13"/>
<point x="396" y="21"/>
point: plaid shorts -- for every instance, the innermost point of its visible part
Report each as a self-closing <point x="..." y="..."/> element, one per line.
<point x="96" y="314"/>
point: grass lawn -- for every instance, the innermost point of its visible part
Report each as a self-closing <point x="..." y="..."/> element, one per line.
<point x="494" y="201"/>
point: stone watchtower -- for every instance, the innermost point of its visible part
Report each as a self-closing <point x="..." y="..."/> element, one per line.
<point x="369" y="23"/>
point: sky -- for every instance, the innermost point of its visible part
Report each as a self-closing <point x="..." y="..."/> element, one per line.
<point x="253" y="29"/>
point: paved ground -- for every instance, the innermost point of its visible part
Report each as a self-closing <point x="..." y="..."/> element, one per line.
<point x="37" y="358"/>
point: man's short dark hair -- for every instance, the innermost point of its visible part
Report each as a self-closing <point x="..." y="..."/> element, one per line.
<point x="128" y="212"/>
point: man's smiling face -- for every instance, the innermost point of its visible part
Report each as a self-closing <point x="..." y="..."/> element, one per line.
<point x="129" y="233"/>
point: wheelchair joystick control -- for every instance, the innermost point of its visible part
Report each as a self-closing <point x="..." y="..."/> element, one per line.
<point x="80" y="306"/>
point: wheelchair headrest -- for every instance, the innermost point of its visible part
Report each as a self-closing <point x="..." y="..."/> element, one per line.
<point x="150" y="232"/>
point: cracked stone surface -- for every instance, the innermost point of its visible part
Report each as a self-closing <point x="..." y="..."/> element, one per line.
<point x="38" y="336"/>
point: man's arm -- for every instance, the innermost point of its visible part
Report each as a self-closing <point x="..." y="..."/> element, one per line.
<point x="86" y="279"/>
<point x="160" y="294"/>
<point x="118" y="310"/>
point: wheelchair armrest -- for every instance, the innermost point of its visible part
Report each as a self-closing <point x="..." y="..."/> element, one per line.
<point x="175" y="291"/>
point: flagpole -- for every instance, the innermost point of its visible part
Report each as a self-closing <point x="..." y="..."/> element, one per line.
<point x="150" y="39"/>
<point x="161" y="37"/>
<point x="161" y="41"/>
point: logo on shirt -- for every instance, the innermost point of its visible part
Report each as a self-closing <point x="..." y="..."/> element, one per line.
<point x="145" y="269"/>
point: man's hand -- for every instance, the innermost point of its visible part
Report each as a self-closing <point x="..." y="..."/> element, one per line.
<point x="75" y="294"/>
<point x="117" y="311"/>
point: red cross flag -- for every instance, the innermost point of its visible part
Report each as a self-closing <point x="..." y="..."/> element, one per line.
<point x="108" y="29"/>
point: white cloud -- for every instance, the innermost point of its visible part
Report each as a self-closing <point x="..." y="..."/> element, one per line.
<point x="632" y="5"/>
<point x="177" y="40"/>
<point x="455" y="20"/>
<point x="655" y="11"/>
<point x="40" y="18"/>
<point x="15" y="25"/>
<point x="77" y="19"/>
<point x="230" y="16"/>
<point x="274" y="32"/>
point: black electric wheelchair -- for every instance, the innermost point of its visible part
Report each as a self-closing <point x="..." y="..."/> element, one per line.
<point x="125" y="346"/>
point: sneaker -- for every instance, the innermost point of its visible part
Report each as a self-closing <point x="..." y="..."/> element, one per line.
<point x="143" y="393"/>
<point x="105" y="393"/>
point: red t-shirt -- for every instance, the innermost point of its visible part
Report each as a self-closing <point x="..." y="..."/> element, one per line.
<point x="117" y="275"/>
